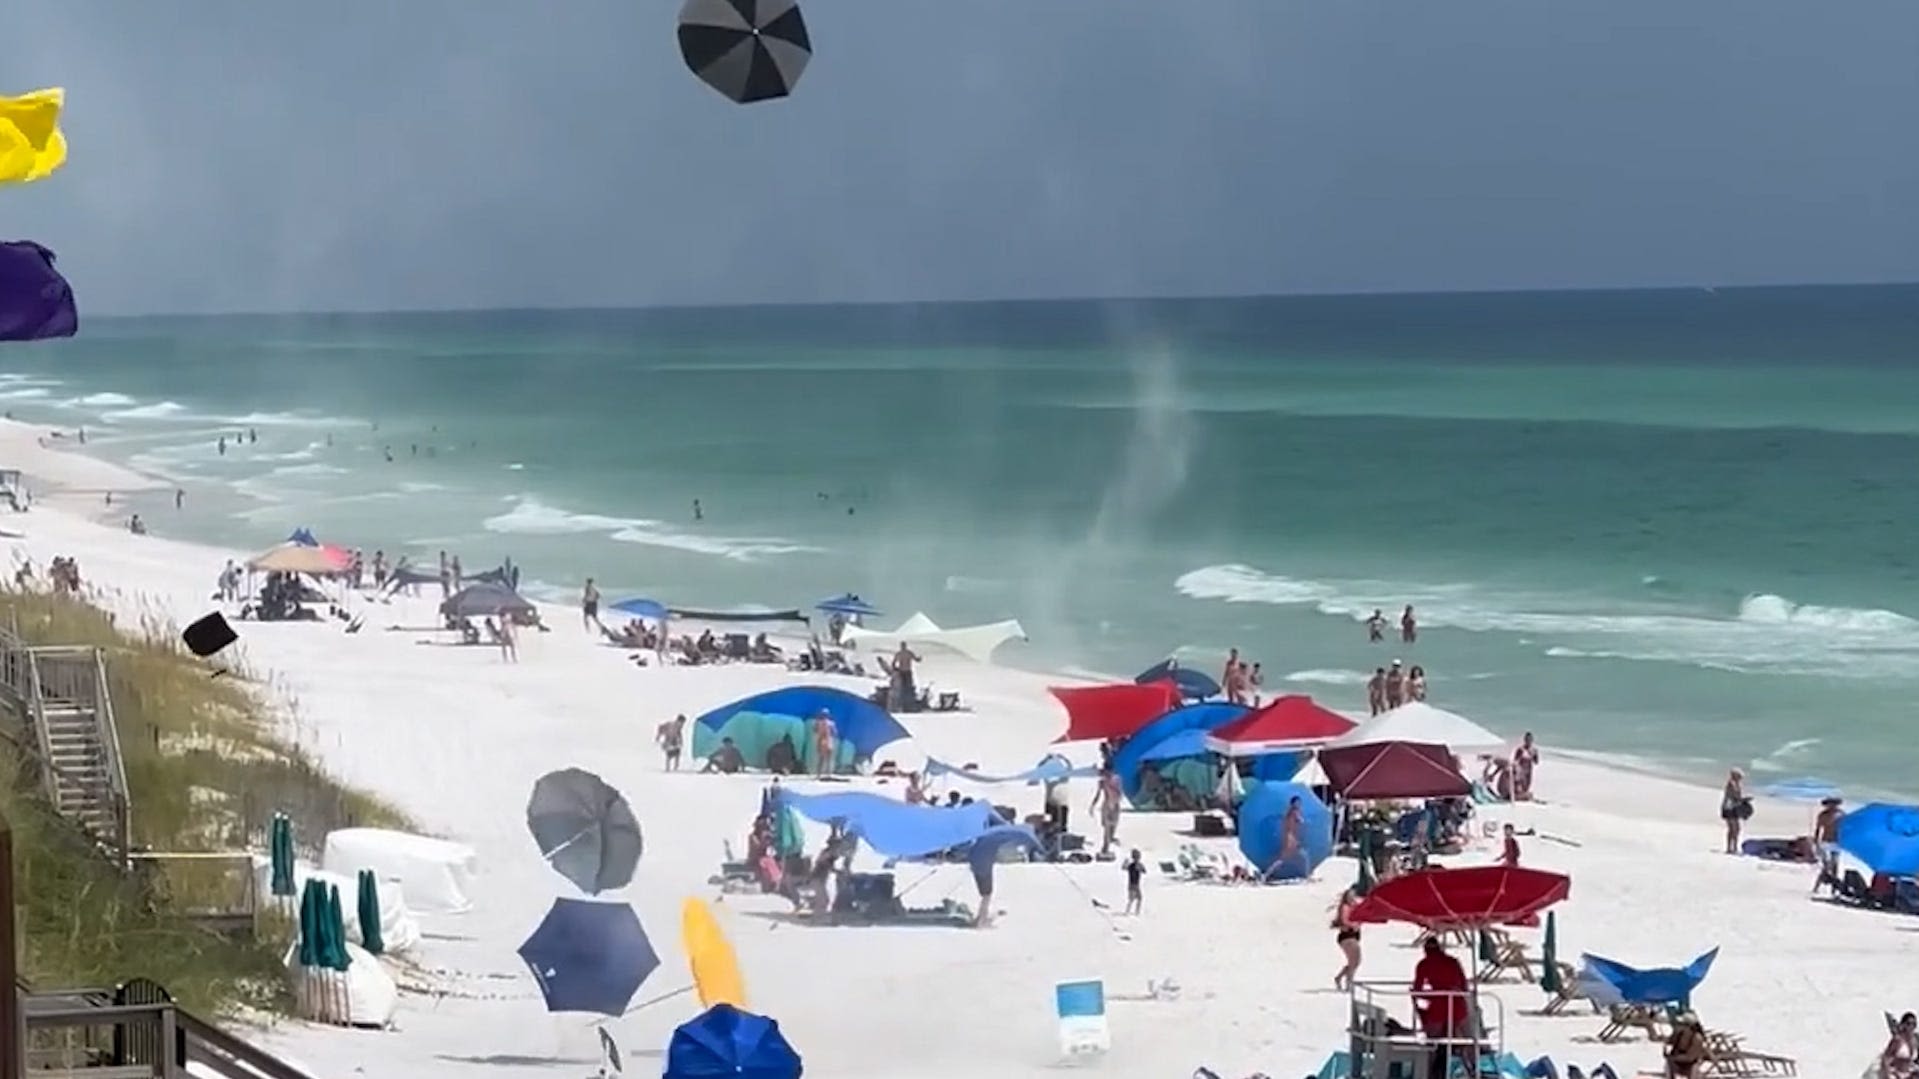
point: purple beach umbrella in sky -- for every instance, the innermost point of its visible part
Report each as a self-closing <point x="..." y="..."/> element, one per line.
<point x="36" y="303"/>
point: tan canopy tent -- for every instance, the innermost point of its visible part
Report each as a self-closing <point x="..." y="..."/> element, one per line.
<point x="295" y="558"/>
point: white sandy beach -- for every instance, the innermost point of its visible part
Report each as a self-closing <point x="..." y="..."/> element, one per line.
<point x="456" y="737"/>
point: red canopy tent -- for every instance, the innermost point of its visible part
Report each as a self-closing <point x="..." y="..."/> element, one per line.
<point x="1389" y="770"/>
<point x="1115" y="711"/>
<point x="1474" y="897"/>
<point x="1290" y="722"/>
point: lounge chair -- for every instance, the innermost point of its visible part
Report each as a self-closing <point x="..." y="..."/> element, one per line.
<point x="1726" y="1055"/>
<point x="1508" y="957"/>
<point x="1622" y="1019"/>
<point x="1574" y="988"/>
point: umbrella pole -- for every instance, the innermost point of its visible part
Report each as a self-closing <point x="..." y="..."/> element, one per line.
<point x="661" y="999"/>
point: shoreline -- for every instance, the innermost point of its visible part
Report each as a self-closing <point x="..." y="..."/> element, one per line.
<point x="454" y="737"/>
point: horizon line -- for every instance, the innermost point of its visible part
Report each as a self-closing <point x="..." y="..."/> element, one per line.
<point x="1006" y="301"/>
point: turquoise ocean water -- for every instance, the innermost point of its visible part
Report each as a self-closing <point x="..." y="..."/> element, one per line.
<point x="1672" y="524"/>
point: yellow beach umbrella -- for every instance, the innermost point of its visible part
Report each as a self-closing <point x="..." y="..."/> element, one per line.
<point x="31" y="145"/>
<point x="716" y="970"/>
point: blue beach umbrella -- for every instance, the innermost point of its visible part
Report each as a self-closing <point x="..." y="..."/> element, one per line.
<point x="848" y="604"/>
<point x="729" y="1042"/>
<point x="1261" y="822"/>
<point x="1884" y="837"/>
<point x="650" y="609"/>
<point x="1193" y="685"/>
<point x="589" y="956"/>
<point x="1658" y="985"/>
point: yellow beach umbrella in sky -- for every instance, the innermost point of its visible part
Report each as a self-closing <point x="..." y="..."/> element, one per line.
<point x="31" y="145"/>
<point x="716" y="970"/>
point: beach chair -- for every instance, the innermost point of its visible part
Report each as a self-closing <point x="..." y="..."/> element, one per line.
<point x="1574" y="988"/>
<point x="1726" y="1055"/>
<point x="1508" y="957"/>
<point x="1623" y="1019"/>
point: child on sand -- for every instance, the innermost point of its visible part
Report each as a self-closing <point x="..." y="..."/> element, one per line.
<point x="1135" y="873"/>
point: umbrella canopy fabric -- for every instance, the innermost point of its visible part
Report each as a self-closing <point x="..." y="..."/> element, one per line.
<point x="31" y="143"/>
<point x="586" y="831"/>
<point x="1392" y="770"/>
<point x="892" y="828"/>
<point x="589" y="956"/>
<point x="984" y="853"/>
<point x="715" y="967"/>
<point x="1660" y="985"/>
<point x="1290" y="722"/>
<point x="1193" y="685"/>
<point x="1199" y="718"/>
<point x="36" y="303"/>
<point x="650" y="609"/>
<point x="1116" y="711"/>
<point x="1262" y="833"/>
<point x="1421" y="722"/>
<point x="1885" y="837"/>
<point x="1050" y="769"/>
<point x="749" y="50"/>
<point x="484" y="601"/>
<point x="293" y="557"/>
<point x="1471" y="897"/>
<point x="849" y="604"/>
<point x="726" y="1041"/>
<point x="856" y="721"/>
<point x="369" y="913"/>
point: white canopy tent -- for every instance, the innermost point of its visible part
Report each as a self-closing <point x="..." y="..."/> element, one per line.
<point x="1421" y="722"/>
<point x="974" y="642"/>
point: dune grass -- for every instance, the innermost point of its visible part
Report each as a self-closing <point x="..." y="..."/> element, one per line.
<point x="205" y="772"/>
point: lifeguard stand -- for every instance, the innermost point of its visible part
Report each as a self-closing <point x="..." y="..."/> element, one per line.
<point x="1386" y="1046"/>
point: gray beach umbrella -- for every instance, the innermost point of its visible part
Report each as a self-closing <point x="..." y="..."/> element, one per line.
<point x="585" y="829"/>
<point x="749" y="50"/>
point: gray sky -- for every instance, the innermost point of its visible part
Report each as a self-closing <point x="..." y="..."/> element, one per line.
<point x="266" y="154"/>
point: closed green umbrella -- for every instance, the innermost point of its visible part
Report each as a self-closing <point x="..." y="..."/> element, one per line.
<point x="1365" y="882"/>
<point x="310" y="919"/>
<point x="370" y="913"/>
<point x="1486" y="953"/>
<point x="336" y="957"/>
<point x="1549" y="979"/>
<point x="280" y="848"/>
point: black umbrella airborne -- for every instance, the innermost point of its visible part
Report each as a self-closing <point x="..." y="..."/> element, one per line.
<point x="749" y="50"/>
<point x="585" y="830"/>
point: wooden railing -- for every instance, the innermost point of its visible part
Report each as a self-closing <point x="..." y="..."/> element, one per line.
<point x="35" y="677"/>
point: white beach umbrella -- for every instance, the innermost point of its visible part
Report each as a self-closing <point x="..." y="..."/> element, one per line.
<point x="1421" y="722"/>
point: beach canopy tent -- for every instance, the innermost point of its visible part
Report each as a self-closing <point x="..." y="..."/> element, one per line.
<point x="1421" y="722"/>
<point x="1094" y="713"/>
<point x="1393" y="770"/>
<point x="651" y="610"/>
<point x="1051" y="767"/>
<point x="1884" y="837"/>
<point x="293" y="557"/>
<point x="848" y="604"/>
<point x="407" y="576"/>
<point x="755" y="734"/>
<point x="730" y="1043"/>
<point x="1290" y="722"/>
<point x="304" y="537"/>
<point x="760" y="614"/>
<point x="1659" y="985"/>
<point x="895" y="829"/>
<point x="484" y="601"/>
<point x="1189" y="724"/>
<point x="1473" y="897"/>
<point x="1193" y="685"/>
<point x="856" y="721"/>
<point x="1261" y="830"/>
<point x="976" y="643"/>
<point x="589" y="956"/>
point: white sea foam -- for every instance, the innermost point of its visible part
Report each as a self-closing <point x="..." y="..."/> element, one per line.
<point x="1327" y="677"/>
<point x="530" y="516"/>
<point x="24" y="393"/>
<point x="158" y="410"/>
<point x="103" y="400"/>
<point x="1769" y="610"/>
<point x="314" y="468"/>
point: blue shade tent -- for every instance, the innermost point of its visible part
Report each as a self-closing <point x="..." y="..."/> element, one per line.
<point x="1280" y="765"/>
<point x="1184" y="744"/>
<point x="1050" y="767"/>
<point x="1261" y="817"/>
<point x="756" y="734"/>
<point x="1193" y="685"/>
<point x="1193" y="717"/>
<point x="1884" y="837"/>
<point x="849" y="604"/>
<point x="895" y="829"/>
<point x="589" y="956"/>
<point x="728" y="1042"/>
<point x="856" y="721"/>
<point x="650" y="609"/>
<point x="1663" y="985"/>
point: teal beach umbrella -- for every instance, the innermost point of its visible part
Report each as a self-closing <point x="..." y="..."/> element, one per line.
<point x="335" y="956"/>
<point x="370" y="913"/>
<point x="280" y="849"/>
<point x="311" y="905"/>
<point x="1549" y="978"/>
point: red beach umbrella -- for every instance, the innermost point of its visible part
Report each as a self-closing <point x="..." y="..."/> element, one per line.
<point x="1474" y="897"/>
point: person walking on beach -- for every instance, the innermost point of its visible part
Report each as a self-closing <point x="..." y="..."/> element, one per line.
<point x="1408" y="626"/>
<point x="1106" y="805"/>
<point x="671" y="736"/>
<point x="1255" y="681"/>
<point x="1509" y="849"/>
<point x="1135" y="874"/>
<point x="459" y="575"/>
<point x="1376" y="627"/>
<point x="1376" y="691"/>
<point x="1290" y="827"/>
<point x="1734" y="808"/>
<point x="1346" y="935"/>
<point x="825" y="743"/>
<point x="589" y="606"/>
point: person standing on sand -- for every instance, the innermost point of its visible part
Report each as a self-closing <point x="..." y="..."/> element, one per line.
<point x="509" y="647"/>
<point x="1525" y="759"/>
<point x="1509" y="849"/>
<point x="1135" y="874"/>
<point x="1346" y="935"/>
<point x="1408" y="626"/>
<point x="1229" y="677"/>
<point x="1734" y="808"/>
<point x="1106" y="804"/>
<point x="825" y="743"/>
<point x="671" y="736"/>
<point x="1376" y="691"/>
<point x="1825" y="837"/>
<point x="1376" y="627"/>
<point x="589" y="606"/>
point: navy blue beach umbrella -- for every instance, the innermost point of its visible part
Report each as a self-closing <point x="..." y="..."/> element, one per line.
<point x="650" y="609"/>
<point x="590" y="956"/>
<point x="726" y="1041"/>
<point x="1193" y="685"/>
<point x="848" y="604"/>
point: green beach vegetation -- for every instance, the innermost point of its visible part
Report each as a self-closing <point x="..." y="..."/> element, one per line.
<point x="206" y="769"/>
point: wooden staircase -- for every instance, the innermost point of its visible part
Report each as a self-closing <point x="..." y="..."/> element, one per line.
<point x="63" y="709"/>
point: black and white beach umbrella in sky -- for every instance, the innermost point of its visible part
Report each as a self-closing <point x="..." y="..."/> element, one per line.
<point x="749" y="50"/>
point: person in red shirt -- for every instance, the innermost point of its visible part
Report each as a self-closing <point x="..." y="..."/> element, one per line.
<point x="1509" y="857"/>
<point x="1439" y="1000"/>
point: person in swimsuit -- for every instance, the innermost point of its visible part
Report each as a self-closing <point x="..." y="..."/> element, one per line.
<point x="1525" y="759"/>
<point x="672" y="738"/>
<point x="1135" y="873"/>
<point x="1106" y="803"/>
<point x="1825" y="837"/>
<point x="1686" y="1048"/>
<point x="590" y="606"/>
<point x="1416" y="684"/>
<point x="1290" y="827"/>
<point x="1229" y="679"/>
<point x="1346" y="935"/>
<point x="825" y="737"/>
<point x="1408" y="626"/>
<point x="1734" y="808"/>
<point x="1376" y="691"/>
<point x="1900" y="1059"/>
<point x="1395" y="686"/>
